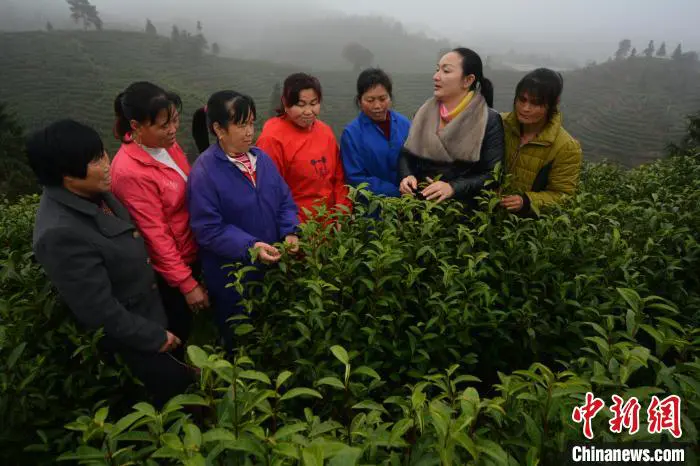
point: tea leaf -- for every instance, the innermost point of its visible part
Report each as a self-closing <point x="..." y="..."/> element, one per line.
<point x="300" y="391"/>
<point x="312" y="456"/>
<point x="243" y="329"/>
<point x="332" y="381"/>
<point x="340" y="354"/>
<point x="218" y="435"/>
<point x="282" y="378"/>
<point x="368" y="371"/>
<point x="255" y="375"/>
<point x="197" y="355"/>
<point x="286" y="431"/>
<point x="15" y="355"/>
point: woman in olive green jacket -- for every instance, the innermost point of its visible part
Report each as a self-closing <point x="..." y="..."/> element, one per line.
<point x="542" y="158"/>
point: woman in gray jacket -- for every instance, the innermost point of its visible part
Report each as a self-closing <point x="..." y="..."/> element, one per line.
<point x="96" y="258"/>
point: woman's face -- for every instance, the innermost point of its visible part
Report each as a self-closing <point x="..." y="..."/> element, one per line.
<point x="306" y="111"/>
<point x="237" y="137"/>
<point x="161" y="132"/>
<point x="376" y="102"/>
<point x="448" y="80"/>
<point x="528" y="111"/>
<point x="97" y="180"/>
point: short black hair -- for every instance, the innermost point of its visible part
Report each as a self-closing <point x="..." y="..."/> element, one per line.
<point x="224" y="108"/>
<point x="369" y="79"/>
<point x="142" y="101"/>
<point x="64" y="148"/>
<point x="293" y="85"/>
<point x="544" y="87"/>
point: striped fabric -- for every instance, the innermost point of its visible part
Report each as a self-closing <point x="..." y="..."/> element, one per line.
<point x="244" y="159"/>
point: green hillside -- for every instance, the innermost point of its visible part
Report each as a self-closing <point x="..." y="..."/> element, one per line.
<point x="624" y="111"/>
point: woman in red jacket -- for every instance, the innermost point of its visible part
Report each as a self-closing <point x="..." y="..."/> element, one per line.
<point x="149" y="176"/>
<point x="305" y="149"/>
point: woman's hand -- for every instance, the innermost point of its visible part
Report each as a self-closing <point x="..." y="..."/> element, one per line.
<point x="170" y="344"/>
<point x="438" y="191"/>
<point x="197" y="299"/>
<point x="268" y="254"/>
<point x="293" y="241"/>
<point x="408" y="185"/>
<point x="513" y="203"/>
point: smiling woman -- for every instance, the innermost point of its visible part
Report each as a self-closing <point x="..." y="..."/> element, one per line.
<point x="149" y="177"/>
<point x="371" y="143"/>
<point x="304" y="148"/>
<point x="543" y="159"/>
<point x="90" y="250"/>
<point x="237" y="200"/>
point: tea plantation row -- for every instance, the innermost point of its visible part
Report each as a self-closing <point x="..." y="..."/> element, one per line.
<point x="624" y="111"/>
<point x="432" y="337"/>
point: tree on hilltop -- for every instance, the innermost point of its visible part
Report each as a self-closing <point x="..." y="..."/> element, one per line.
<point x="649" y="51"/>
<point x="678" y="53"/>
<point x="85" y="11"/>
<point x="49" y="26"/>
<point x="215" y="48"/>
<point x="662" y="50"/>
<point x="623" y="49"/>
<point x="633" y="53"/>
<point x="358" y="55"/>
<point x="150" y="28"/>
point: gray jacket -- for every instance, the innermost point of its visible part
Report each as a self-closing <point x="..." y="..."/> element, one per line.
<point x="100" y="266"/>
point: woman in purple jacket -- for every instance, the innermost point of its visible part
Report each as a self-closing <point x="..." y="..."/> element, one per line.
<point x="237" y="200"/>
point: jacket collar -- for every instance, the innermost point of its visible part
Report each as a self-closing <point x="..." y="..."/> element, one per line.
<point x="137" y="153"/>
<point x="545" y="138"/>
<point x="108" y="224"/>
<point x="367" y="120"/>
<point x="219" y="154"/>
<point x="222" y="156"/>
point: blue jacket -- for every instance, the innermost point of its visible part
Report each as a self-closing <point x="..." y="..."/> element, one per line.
<point x="228" y="214"/>
<point x="369" y="158"/>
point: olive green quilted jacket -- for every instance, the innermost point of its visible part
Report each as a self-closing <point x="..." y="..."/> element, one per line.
<point x="546" y="169"/>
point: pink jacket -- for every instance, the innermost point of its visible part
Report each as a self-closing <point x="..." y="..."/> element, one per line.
<point x="155" y="196"/>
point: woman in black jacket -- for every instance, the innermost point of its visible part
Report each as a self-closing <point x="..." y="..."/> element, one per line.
<point x="455" y="135"/>
<point x="96" y="258"/>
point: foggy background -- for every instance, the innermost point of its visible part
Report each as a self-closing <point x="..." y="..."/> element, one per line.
<point x="570" y="33"/>
<point x="631" y="68"/>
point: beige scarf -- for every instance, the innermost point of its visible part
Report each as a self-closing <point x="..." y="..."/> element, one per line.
<point x="459" y="140"/>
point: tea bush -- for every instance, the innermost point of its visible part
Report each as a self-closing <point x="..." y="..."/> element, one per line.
<point x="434" y="335"/>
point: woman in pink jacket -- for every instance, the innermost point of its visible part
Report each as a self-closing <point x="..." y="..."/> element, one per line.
<point x="149" y="176"/>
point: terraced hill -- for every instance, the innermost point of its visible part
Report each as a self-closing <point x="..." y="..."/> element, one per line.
<point x="625" y="111"/>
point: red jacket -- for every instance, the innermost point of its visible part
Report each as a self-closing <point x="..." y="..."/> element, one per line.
<point x="308" y="160"/>
<point x="155" y="196"/>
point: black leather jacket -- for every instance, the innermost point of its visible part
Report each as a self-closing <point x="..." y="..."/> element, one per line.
<point x="466" y="178"/>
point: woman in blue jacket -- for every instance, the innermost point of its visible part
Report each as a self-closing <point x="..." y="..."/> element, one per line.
<point x="371" y="143"/>
<point x="237" y="200"/>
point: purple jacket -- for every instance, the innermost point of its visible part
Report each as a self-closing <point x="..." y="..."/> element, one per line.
<point x="228" y="214"/>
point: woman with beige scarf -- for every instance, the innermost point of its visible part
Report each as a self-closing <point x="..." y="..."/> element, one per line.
<point x="455" y="136"/>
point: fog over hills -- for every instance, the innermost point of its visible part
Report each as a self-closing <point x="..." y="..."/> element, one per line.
<point x="311" y="33"/>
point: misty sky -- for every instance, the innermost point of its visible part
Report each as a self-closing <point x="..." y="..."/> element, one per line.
<point x="538" y="19"/>
<point x="559" y="27"/>
<point x="542" y="24"/>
